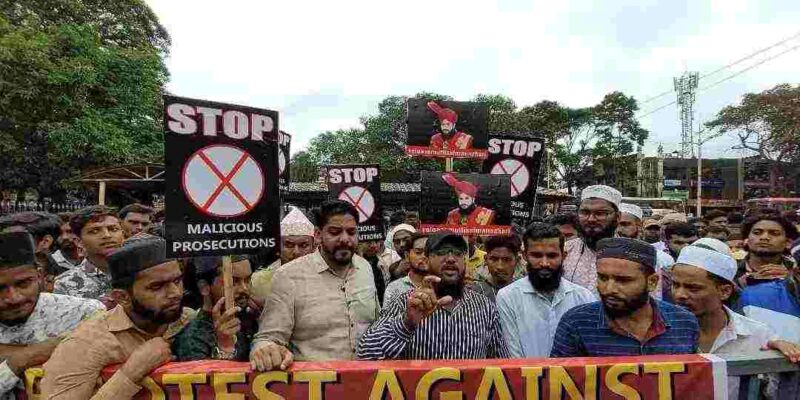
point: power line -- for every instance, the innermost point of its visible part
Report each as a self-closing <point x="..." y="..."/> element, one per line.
<point x="734" y="63"/>
<point x="726" y="78"/>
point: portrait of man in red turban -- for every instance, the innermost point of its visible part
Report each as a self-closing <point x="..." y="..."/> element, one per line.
<point x="448" y="137"/>
<point x="468" y="213"/>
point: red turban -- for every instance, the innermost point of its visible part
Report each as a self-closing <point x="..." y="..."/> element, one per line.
<point x="444" y="114"/>
<point x="461" y="186"/>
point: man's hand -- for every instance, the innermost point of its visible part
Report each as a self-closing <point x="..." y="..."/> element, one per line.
<point x="268" y="356"/>
<point x="146" y="358"/>
<point x="226" y="326"/>
<point x="256" y="306"/>
<point x="789" y="350"/>
<point x="423" y="302"/>
<point x="21" y="357"/>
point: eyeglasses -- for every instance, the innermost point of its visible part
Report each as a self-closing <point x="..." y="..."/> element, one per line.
<point x="599" y="214"/>
<point x="448" y="251"/>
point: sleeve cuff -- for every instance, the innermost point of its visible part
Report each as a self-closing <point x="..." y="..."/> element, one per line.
<point x="120" y="386"/>
<point x="8" y="380"/>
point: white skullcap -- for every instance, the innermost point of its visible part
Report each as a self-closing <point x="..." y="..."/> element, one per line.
<point x="604" y="192"/>
<point x="631" y="209"/>
<point x="712" y="261"/>
<point x="714" y="244"/>
<point x="295" y="223"/>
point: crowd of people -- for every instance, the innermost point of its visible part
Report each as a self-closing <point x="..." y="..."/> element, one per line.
<point x="82" y="291"/>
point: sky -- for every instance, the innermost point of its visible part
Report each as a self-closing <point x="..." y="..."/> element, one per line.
<point x="324" y="64"/>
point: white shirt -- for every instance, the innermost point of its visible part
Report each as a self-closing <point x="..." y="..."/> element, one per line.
<point x="529" y="319"/>
<point x="741" y="336"/>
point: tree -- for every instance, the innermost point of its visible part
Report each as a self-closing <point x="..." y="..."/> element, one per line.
<point x="766" y="123"/>
<point x="81" y="88"/>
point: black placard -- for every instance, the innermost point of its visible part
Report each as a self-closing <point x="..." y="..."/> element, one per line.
<point x="467" y="139"/>
<point x="486" y="203"/>
<point x="518" y="155"/>
<point x="221" y="169"/>
<point x="359" y="185"/>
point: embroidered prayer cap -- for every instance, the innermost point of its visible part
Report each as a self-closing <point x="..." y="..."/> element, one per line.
<point x="632" y="209"/>
<point x="710" y="260"/>
<point x="627" y="249"/>
<point x="604" y="192"/>
<point x="295" y="223"/>
<point x="713" y="244"/>
<point x="17" y="249"/>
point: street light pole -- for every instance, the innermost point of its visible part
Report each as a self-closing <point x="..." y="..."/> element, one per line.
<point x="699" y="176"/>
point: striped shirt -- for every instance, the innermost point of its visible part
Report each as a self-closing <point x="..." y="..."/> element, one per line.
<point x="471" y="330"/>
<point x="585" y="331"/>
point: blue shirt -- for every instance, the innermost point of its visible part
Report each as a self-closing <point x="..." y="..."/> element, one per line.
<point x="775" y="305"/>
<point x="584" y="331"/>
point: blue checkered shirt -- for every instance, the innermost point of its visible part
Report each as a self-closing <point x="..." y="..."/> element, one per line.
<point x="584" y="331"/>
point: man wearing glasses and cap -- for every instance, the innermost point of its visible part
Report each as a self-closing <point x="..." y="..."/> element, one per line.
<point x="598" y="214"/>
<point x="441" y="319"/>
<point x="627" y="321"/>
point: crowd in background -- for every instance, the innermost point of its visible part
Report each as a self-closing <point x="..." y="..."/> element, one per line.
<point x="84" y="290"/>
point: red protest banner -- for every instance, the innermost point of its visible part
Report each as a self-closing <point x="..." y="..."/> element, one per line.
<point x="652" y="377"/>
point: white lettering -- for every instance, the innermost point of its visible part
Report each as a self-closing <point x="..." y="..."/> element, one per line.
<point x="494" y="145"/>
<point x="209" y="120"/>
<point x="180" y="119"/>
<point x="519" y="148"/>
<point x="350" y="175"/>
<point x="235" y="124"/>
<point x="261" y="124"/>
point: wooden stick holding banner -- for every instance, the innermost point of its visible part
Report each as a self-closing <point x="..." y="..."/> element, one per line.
<point x="227" y="281"/>
<point x="448" y="164"/>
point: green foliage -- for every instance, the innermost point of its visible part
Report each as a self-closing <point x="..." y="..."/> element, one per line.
<point x="767" y="123"/>
<point x="81" y="88"/>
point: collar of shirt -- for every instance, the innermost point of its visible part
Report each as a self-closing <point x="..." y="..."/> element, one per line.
<point x="563" y="289"/>
<point x="657" y="327"/>
<point x="119" y="321"/>
<point x="738" y="326"/>
<point x="89" y="268"/>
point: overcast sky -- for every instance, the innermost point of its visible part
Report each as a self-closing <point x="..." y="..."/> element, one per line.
<point x="323" y="64"/>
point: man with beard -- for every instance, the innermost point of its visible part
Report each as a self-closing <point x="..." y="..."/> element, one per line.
<point x="767" y="237"/>
<point x="441" y="320"/>
<point x="390" y="260"/>
<point x="297" y="240"/>
<point x="531" y="308"/>
<point x="597" y="219"/>
<point x="468" y="212"/>
<point x="627" y="321"/>
<point x="703" y="284"/>
<point x="32" y="323"/>
<point x="100" y="234"/>
<point x="224" y="334"/>
<point x="448" y="137"/>
<point x="320" y="304"/>
<point x="630" y="226"/>
<point x="148" y="288"/>
<point x="70" y="253"/>
<point x="418" y="269"/>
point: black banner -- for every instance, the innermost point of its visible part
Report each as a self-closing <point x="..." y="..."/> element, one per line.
<point x="284" y="158"/>
<point x="447" y="129"/>
<point x="518" y="155"/>
<point x="468" y="204"/>
<point x="359" y="185"/>
<point x="221" y="169"/>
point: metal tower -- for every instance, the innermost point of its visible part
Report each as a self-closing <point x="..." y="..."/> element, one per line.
<point x="685" y="87"/>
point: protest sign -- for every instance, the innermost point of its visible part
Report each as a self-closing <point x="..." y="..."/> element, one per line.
<point x="650" y="377"/>
<point x="447" y="129"/>
<point x="468" y="204"/>
<point x="520" y="157"/>
<point x="221" y="174"/>
<point x="359" y="185"/>
<point x="284" y="157"/>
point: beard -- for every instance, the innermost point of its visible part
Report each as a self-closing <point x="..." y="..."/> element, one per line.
<point x="341" y="254"/>
<point x="466" y="211"/>
<point x="593" y="235"/>
<point x="624" y="308"/>
<point x="651" y="239"/>
<point x="545" y="279"/>
<point x="452" y="289"/>
<point x="765" y="253"/>
<point x="157" y="316"/>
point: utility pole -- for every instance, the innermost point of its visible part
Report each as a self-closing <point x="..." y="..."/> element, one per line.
<point x="685" y="87"/>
